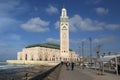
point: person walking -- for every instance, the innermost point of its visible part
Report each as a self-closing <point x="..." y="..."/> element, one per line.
<point x="67" y="65"/>
<point x="72" y="66"/>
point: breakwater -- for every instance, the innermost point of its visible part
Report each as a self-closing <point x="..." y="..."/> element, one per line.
<point x="51" y="74"/>
<point x="22" y="72"/>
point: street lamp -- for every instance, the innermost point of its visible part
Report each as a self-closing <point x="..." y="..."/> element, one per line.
<point x="90" y="39"/>
<point x="83" y="53"/>
<point x="79" y="54"/>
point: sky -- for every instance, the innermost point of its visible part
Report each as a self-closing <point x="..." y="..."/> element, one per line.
<point x="26" y="22"/>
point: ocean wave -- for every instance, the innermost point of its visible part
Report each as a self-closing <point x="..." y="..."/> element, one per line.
<point x="10" y="66"/>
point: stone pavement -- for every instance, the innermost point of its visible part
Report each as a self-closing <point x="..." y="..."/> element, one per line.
<point x="84" y="74"/>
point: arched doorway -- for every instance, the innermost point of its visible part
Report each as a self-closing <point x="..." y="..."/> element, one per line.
<point x="39" y="56"/>
<point x="46" y="57"/>
<point x="25" y="56"/>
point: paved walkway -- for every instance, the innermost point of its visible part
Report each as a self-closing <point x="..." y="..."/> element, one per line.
<point x="84" y="74"/>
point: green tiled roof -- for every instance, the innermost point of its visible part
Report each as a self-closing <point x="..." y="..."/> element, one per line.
<point x="46" y="45"/>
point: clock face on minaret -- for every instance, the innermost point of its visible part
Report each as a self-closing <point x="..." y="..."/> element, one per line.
<point x="64" y="33"/>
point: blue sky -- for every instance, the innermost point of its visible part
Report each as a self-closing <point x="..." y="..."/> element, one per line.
<point x="25" y="22"/>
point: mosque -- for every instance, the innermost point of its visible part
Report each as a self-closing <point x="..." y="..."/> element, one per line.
<point x="49" y="51"/>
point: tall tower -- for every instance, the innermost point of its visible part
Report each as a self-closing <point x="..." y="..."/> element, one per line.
<point x="64" y="35"/>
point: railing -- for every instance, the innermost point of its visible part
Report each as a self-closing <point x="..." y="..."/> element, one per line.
<point x="51" y="74"/>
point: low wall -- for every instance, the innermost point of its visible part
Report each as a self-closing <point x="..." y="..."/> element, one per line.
<point x="50" y="63"/>
<point x="51" y="74"/>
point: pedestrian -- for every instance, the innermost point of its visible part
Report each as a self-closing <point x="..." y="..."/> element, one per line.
<point x="118" y="69"/>
<point x="67" y="65"/>
<point x="72" y="66"/>
<point x="61" y="62"/>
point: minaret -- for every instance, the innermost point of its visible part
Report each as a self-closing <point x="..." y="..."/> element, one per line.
<point x="64" y="35"/>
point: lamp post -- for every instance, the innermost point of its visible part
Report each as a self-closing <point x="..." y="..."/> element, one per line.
<point x="79" y="51"/>
<point x="116" y="65"/>
<point x="83" y="53"/>
<point x="90" y="39"/>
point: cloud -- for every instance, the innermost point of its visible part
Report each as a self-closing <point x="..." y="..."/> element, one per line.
<point x="10" y="45"/>
<point x="52" y="40"/>
<point x="36" y="9"/>
<point x="11" y="8"/>
<point x="51" y="9"/>
<point x="7" y="6"/>
<point x="15" y="37"/>
<point x="10" y="38"/>
<point x="96" y="1"/>
<point x="113" y="26"/>
<point x="101" y="11"/>
<point x="36" y="25"/>
<point x="87" y="24"/>
<point x="8" y="12"/>
<point x="77" y="23"/>
<point x="11" y="41"/>
<point x="56" y="24"/>
<point x="6" y="23"/>
<point x="93" y="1"/>
<point x="75" y="43"/>
<point x="104" y="40"/>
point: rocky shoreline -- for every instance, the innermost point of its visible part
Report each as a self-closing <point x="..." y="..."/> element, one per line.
<point x="22" y="73"/>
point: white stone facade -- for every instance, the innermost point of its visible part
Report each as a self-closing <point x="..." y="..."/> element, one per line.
<point x="45" y="54"/>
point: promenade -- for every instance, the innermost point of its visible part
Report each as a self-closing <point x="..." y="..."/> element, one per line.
<point x="84" y="74"/>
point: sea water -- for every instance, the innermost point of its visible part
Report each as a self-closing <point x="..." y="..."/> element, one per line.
<point x="18" y="72"/>
<point x="11" y="70"/>
<point x="4" y="65"/>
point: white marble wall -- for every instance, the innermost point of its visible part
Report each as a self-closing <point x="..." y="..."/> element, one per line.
<point x="45" y="54"/>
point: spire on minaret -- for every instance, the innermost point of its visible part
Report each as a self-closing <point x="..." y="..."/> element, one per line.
<point x="64" y="12"/>
<point x="64" y="17"/>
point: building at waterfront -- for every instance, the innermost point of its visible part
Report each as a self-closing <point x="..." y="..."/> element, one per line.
<point x="52" y="52"/>
<point x="45" y="52"/>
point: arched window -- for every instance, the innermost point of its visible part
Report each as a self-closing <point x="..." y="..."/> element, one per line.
<point x="20" y="58"/>
<point x="40" y="59"/>
<point x="32" y="59"/>
<point x="77" y="59"/>
<point x="25" y="56"/>
<point x="56" y="58"/>
<point x="53" y="59"/>
<point x="40" y="56"/>
<point x="60" y="58"/>
<point x="46" y="57"/>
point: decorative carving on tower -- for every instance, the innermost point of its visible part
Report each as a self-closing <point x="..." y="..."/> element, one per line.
<point x="64" y="35"/>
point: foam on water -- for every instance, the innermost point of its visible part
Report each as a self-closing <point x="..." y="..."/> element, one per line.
<point x="11" y="66"/>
